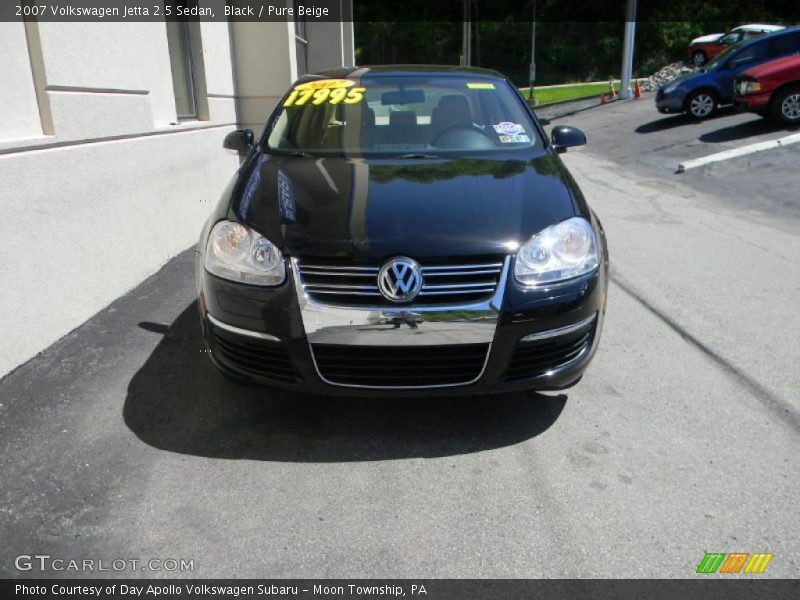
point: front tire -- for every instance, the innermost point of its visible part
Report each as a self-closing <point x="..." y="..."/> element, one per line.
<point x="701" y="104"/>
<point x="786" y="106"/>
<point x="699" y="58"/>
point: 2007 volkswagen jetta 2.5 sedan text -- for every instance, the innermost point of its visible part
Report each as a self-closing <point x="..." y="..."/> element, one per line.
<point x="407" y="230"/>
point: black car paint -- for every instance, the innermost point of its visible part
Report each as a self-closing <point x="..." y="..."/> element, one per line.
<point x="442" y="207"/>
<point x="429" y="208"/>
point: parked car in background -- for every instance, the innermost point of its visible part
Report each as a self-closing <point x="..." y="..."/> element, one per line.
<point x="702" y="49"/>
<point x="771" y="89"/>
<point x="699" y="94"/>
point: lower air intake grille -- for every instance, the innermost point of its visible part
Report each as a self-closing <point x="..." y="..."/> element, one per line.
<point x="400" y="366"/>
<point x="537" y="357"/>
<point x="261" y="358"/>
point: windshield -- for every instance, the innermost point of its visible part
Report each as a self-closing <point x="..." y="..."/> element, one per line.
<point x="721" y="58"/>
<point x="402" y="115"/>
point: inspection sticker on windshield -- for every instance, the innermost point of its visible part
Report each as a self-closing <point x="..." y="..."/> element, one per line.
<point x="480" y="85"/>
<point x="508" y="128"/>
<point x="515" y="139"/>
<point x="325" y="91"/>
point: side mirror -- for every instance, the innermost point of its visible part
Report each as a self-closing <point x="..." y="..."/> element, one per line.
<point x="239" y="141"/>
<point x="564" y="137"/>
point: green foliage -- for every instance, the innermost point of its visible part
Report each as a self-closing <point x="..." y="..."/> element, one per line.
<point x="428" y="173"/>
<point x="446" y="170"/>
<point x="574" y="92"/>
<point x="565" y="51"/>
<point x="382" y="42"/>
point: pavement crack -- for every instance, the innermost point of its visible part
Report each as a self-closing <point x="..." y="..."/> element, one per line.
<point x="747" y="242"/>
<point x="774" y="404"/>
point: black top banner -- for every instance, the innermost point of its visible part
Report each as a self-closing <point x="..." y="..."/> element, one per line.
<point x="771" y="11"/>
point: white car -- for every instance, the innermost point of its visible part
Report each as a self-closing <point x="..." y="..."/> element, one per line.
<point x="704" y="48"/>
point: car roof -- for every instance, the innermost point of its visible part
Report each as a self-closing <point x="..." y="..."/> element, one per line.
<point x="446" y="70"/>
<point x="769" y="36"/>
<point x="758" y="27"/>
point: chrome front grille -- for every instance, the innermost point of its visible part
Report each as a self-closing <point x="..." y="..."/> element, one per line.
<point x="444" y="281"/>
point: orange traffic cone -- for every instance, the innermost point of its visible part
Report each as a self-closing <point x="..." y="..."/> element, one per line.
<point x="602" y="99"/>
<point x="637" y="91"/>
<point x="613" y="94"/>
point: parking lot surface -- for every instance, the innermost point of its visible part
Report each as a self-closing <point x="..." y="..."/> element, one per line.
<point x="121" y="440"/>
<point x="640" y="140"/>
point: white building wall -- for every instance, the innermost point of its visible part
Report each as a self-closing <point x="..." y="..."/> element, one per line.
<point x="114" y="193"/>
<point x="99" y="184"/>
<point x="121" y="59"/>
<point x="217" y="57"/>
<point x="19" y="114"/>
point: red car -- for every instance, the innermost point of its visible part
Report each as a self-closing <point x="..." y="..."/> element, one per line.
<point x="706" y="47"/>
<point x="771" y="89"/>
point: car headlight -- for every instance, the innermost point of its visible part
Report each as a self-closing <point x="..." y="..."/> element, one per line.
<point x="671" y="87"/>
<point x="749" y="87"/>
<point x="238" y="253"/>
<point x="562" y="251"/>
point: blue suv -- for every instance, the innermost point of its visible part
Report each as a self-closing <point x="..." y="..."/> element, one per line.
<point x="699" y="94"/>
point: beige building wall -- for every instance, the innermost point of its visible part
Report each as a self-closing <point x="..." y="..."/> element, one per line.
<point x="332" y="43"/>
<point x="261" y="80"/>
<point x="100" y="183"/>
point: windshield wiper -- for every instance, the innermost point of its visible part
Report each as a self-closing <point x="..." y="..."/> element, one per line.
<point x="418" y="155"/>
<point x="300" y="154"/>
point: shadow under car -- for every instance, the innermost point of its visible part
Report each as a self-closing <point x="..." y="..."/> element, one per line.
<point x="179" y="402"/>
<point x="681" y="120"/>
<point x="741" y="131"/>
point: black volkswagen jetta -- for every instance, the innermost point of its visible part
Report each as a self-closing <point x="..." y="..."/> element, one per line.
<point x="403" y="229"/>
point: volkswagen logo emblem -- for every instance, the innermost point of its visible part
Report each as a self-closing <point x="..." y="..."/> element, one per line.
<point x="400" y="279"/>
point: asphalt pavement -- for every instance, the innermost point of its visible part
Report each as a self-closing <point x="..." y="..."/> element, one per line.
<point x="121" y="440"/>
<point x="633" y="135"/>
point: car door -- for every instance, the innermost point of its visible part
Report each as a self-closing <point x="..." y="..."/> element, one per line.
<point x="783" y="45"/>
<point x="749" y="56"/>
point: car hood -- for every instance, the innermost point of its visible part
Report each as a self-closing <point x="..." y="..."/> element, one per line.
<point x="685" y="77"/>
<point x="706" y="39"/>
<point x="377" y="208"/>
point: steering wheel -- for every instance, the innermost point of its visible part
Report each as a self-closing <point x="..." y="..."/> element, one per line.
<point x="465" y="127"/>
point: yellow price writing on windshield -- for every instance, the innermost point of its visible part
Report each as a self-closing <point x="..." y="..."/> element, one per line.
<point x="318" y="96"/>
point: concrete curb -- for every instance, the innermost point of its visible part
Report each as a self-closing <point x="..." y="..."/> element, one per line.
<point x="564" y="85"/>
<point x="582" y="98"/>
<point x="735" y="152"/>
<point x="576" y="110"/>
<point x="560" y="102"/>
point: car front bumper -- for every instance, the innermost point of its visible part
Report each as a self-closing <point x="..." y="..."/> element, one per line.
<point x="752" y="102"/>
<point x="670" y="103"/>
<point x="280" y="337"/>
